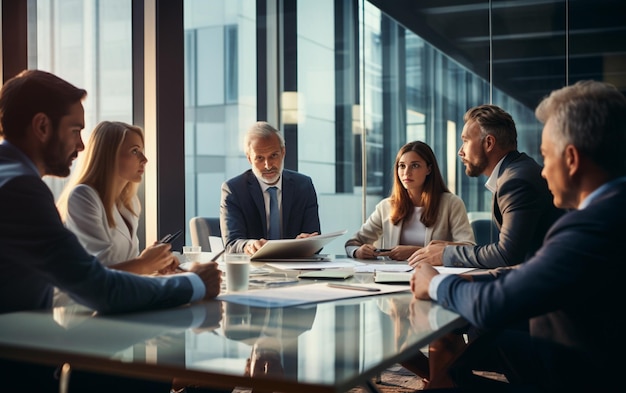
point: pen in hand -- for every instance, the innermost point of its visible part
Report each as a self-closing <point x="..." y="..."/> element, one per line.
<point x="219" y="254"/>
<point x="170" y="238"/>
<point x="353" y="287"/>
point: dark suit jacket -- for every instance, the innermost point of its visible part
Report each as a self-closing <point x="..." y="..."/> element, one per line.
<point x="242" y="209"/>
<point x="571" y="290"/>
<point x="523" y="211"/>
<point x="38" y="253"/>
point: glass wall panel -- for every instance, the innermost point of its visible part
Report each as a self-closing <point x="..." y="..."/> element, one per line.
<point x="220" y="97"/>
<point x="88" y="43"/>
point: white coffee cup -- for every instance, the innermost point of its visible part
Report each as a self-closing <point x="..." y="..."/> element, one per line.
<point x="237" y="273"/>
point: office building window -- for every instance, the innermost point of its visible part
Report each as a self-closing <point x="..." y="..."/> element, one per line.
<point x="88" y="43"/>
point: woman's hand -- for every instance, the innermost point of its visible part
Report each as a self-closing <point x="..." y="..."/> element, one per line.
<point x="400" y="253"/>
<point x="366" y="251"/>
<point x="157" y="258"/>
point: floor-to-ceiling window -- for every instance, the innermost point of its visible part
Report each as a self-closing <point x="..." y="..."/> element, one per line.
<point x="349" y="94"/>
<point x="349" y="81"/>
<point x="88" y="43"/>
<point x="362" y="78"/>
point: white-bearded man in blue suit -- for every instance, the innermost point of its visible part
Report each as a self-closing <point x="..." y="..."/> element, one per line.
<point x="245" y="204"/>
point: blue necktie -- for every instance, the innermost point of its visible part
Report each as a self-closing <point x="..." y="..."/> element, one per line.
<point x="274" y="232"/>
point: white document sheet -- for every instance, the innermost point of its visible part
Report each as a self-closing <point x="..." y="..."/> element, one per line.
<point x="405" y="277"/>
<point x="381" y="267"/>
<point x="337" y="263"/>
<point x="303" y="294"/>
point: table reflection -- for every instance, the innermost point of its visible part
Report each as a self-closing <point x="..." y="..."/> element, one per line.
<point x="329" y="345"/>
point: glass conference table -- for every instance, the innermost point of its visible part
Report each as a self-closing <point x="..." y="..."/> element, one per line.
<point x="330" y="346"/>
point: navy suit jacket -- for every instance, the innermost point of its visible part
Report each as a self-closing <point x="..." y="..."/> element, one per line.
<point x="571" y="290"/>
<point x="38" y="253"/>
<point x="242" y="209"/>
<point x="523" y="211"/>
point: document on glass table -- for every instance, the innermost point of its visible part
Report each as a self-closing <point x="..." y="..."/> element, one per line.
<point x="303" y="294"/>
<point x="337" y="263"/>
<point x="404" y="277"/>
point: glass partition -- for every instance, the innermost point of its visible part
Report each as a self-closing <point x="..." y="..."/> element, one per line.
<point x="348" y="81"/>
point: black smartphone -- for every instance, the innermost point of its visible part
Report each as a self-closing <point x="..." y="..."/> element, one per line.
<point x="382" y="250"/>
<point x="170" y="238"/>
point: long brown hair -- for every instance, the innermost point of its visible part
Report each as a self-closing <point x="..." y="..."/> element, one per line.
<point x="434" y="186"/>
<point x="99" y="168"/>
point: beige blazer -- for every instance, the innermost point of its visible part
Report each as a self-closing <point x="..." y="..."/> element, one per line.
<point x="452" y="225"/>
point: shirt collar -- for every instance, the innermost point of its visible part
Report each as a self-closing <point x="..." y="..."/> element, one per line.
<point x="21" y="155"/>
<point x="265" y="186"/>
<point x="492" y="182"/>
<point x="601" y="190"/>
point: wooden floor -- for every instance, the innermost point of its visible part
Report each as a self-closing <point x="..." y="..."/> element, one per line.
<point x="395" y="379"/>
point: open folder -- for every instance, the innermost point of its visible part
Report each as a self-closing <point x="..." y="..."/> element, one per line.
<point x="292" y="250"/>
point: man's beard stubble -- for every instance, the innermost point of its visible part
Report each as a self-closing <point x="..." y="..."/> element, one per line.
<point x="54" y="160"/>
<point x="475" y="170"/>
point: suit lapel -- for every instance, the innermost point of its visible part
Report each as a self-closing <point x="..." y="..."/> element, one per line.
<point x="120" y="223"/>
<point x="495" y="208"/>
<point x="254" y="189"/>
<point x="287" y="199"/>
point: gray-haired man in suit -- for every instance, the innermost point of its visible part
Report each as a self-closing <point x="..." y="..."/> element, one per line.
<point x="571" y="290"/>
<point x="245" y="206"/>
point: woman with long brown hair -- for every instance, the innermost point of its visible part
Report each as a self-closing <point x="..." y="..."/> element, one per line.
<point x="420" y="209"/>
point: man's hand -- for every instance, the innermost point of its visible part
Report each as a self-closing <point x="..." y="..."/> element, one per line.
<point x="431" y="254"/>
<point x="210" y="275"/>
<point x="253" y="245"/>
<point x="303" y="235"/>
<point x="420" y="280"/>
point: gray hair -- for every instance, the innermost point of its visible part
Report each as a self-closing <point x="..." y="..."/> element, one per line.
<point x="591" y="116"/>
<point x="261" y="130"/>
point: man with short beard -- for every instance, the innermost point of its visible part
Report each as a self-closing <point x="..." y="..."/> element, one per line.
<point x="41" y="119"/>
<point x="245" y="205"/>
<point x="522" y="210"/>
<point x="522" y="207"/>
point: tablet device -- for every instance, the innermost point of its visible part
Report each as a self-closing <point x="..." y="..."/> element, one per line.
<point x="288" y="249"/>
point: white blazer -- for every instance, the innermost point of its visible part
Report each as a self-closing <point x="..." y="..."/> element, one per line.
<point x="87" y="219"/>
<point x="452" y="225"/>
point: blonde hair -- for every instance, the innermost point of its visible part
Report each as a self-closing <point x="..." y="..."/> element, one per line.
<point x="99" y="169"/>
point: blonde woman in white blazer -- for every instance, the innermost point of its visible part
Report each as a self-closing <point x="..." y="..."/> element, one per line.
<point x="101" y="206"/>
<point x="419" y="210"/>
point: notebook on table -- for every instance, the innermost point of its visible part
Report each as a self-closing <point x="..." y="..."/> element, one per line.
<point x="296" y="250"/>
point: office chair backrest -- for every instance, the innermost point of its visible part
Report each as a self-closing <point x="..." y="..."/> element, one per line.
<point x="201" y="228"/>
<point x="485" y="231"/>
